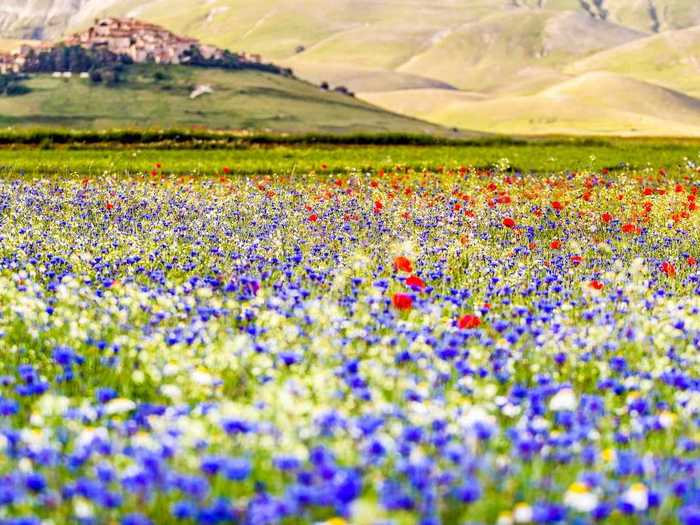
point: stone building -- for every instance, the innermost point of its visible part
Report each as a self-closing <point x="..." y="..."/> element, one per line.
<point x="142" y="41"/>
<point x="7" y="63"/>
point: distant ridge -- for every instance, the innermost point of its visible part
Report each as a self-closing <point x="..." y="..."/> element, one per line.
<point x="502" y="52"/>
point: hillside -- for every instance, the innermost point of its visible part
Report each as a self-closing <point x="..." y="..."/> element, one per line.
<point x="670" y="59"/>
<point x="395" y="52"/>
<point x="530" y="50"/>
<point x="249" y="23"/>
<point x="593" y="103"/>
<point x="159" y="96"/>
<point x="8" y="44"/>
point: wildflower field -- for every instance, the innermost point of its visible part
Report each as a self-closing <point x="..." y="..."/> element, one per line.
<point x="334" y="343"/>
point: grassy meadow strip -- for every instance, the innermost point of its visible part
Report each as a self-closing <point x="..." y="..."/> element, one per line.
<point x="542" y="157"/>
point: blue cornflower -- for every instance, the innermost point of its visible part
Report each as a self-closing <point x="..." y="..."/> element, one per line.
<point x="690" y="515"/>
<point x="104" y="395"/>
<point x="135" y="519"/>
<point x="8" y="407"/>
<point x="65" y="356"/>
<point x="35" y="482"/>
<point x="183" y="510"/>
<point x="237" y="469"/>
<point x="469" y="491"/>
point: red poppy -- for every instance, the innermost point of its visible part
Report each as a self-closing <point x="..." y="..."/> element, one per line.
<point x="468" y="322"/>
<point x="415" y="282"/>
<point x="555" y="245"/>
<point x="402" y="264"/>
<point x="596" y="285"/>
<point x="378" y="206"/>
<point x="227" y="170"/>
<point x="402" y="301"/>
<point x="313" y="217"/>
<point x="692" y="261"/>
<point x="158" y="165"/>
<point x="606" y="217"/>
<point x="629" y="228"/>
<point x="504" y="199"/>
<point x="508" y="222"/>
<point x="679" y="188"/>
<point x="110" y="205"/>
<point x="576" y="259"/>
<point x="557" y="205"/>
<point x="668" y="269"/>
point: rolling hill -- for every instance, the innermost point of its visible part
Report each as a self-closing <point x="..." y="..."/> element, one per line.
<point x="670" y="59"/>
<point x="439" y="59"/>
<point x="591" y="104"/>
<point x="160" y="96"/>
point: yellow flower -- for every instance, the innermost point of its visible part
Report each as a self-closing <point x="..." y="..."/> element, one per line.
<point x="580" y="498"/>
<point x="608" y="455"/>
<point x="504" y="518"/>
<point x="637" y="496"/>
<point x="667" y="419"/>
<point x="522" y="513"/>
<point x="578" y="487"/>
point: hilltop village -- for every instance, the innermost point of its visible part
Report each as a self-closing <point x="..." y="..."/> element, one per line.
<point x="140" y="41"/>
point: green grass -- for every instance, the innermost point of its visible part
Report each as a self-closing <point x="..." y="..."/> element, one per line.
<point x="552" y="155"/>
<point x="241" y="100"/>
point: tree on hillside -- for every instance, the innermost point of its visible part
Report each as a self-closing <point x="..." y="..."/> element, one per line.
<point x="76" y="59"/>
<point x="102" y="64"/>
<point x="11" y="85"/>
<point x="193" y="57"/>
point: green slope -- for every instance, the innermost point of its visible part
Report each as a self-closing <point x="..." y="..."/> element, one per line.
<point x="241" y="100"/>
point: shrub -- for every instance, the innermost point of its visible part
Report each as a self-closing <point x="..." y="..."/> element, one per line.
<point x="11" y="85"/>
